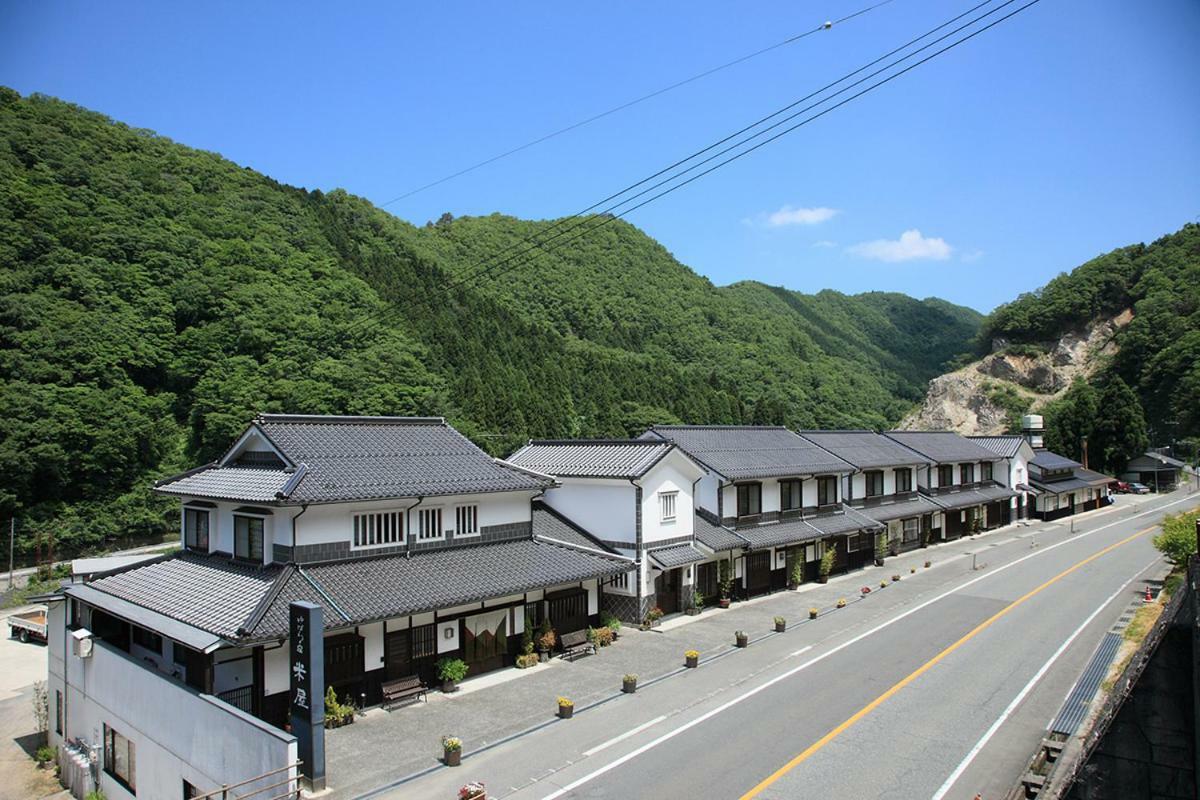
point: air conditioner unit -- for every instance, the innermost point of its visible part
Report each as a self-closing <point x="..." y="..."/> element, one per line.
<point x="81" y="643"/>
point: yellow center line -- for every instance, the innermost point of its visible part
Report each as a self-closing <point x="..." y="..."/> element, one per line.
<point x="871" y="706"/>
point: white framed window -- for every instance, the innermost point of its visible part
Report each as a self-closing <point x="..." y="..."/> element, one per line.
<point x="666" y="504"/>
<point x="620" y="581"/>
<point x="429" y="524"/>
<point x="377" y="528"/>
<point x="466" y="520"/>
<point x="195" y="529"/>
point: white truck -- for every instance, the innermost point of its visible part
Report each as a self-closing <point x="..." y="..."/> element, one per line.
<point x="28" y="626"/>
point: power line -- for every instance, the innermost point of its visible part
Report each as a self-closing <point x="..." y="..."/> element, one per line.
<point x="543" y="237"/>
<point x="631" y="103"/>
<point x="610" y="218"/>
<point x="536" y="244"/>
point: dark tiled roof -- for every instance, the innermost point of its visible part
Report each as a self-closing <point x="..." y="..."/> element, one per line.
<point x="1003" y="446"/>
<point x="714" y="536"/>
<point x="390" y="586"/>
<point x="211" y="593"/>
<point x="972" y="497"/>
<point x="1093" y="477"/>
<point x="913" y="507"/>
<point x="865" y="449"/>
<point x="742" y="452"/>
<point x="942" y="446"/>
<point x="848" y="521"/>
<point x="359" y="458"/>
<point x="246" y="484"/>
<point x="778" y="534"/>
<point x="1048" y="460"/>
<point x="601" y="458"/>
<point x="1161" y="459"/>
<point x="1080" y="479"/>
<point x="679" y="555"/>
<point x="551" y="524"/>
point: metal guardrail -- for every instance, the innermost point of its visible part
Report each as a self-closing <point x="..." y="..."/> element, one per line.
<point x="292" y="792"/>
<point x="241" y="698"/>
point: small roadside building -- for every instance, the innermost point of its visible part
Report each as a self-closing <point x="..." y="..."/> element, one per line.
<point x="1017" y="452"/>
<point x="1065" y="487"/>
<point x="1160" y="472"/>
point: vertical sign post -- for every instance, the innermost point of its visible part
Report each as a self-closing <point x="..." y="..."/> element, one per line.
<point x="307" y="663"/>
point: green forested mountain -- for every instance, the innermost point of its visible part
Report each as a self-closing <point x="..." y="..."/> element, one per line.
<point x="155" y="297"/>
<point x="1150" y="391"/>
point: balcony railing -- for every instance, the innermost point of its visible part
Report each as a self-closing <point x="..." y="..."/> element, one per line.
<point x="241" y="698"/>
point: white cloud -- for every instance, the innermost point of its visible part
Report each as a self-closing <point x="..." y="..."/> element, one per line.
<point x="800" y="216"/>
<point x="825" y="243"/>
<point x="911" y="246"/>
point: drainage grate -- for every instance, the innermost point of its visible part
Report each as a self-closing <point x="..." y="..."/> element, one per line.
<point x="1075" y="708"/>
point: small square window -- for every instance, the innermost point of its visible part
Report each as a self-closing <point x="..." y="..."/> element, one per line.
<point x="667" y="502"/>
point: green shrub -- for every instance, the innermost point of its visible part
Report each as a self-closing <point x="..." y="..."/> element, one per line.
<point x="44" y="754"/>
<point x="452" y="669"/>
<point x="1177" y="541"/>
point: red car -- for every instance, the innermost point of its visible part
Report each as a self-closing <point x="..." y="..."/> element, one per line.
<point x="1121" y="487"/>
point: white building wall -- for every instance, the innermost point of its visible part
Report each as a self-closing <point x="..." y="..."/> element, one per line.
<point x="217" y="745"/>
<point x="605" y="508"/>
<point x="706" y="492"/>
<point x="669" y="475"/>
<point x="220" y="526"/>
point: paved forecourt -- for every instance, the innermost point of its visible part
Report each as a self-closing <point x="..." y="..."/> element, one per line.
<point x="721" y="730"/>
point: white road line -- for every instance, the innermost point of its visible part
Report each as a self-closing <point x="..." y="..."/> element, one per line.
<point x="624" y="736"/>
<point x="966" y="762"/>
<point x="804" y="649"/>
<point x="572" y="786"/>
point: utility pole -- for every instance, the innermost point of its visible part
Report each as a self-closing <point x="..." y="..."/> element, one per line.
<point x="12" y="532"/>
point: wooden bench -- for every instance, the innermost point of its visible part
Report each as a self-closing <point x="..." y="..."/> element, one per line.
<point x="403" y="689"/>
<point x="576" y="644"/>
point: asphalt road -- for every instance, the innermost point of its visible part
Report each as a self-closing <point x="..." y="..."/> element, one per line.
<point x="940" y="687"/>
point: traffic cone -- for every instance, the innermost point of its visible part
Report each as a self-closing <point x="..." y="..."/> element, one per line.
<point x="1149" y="597"/>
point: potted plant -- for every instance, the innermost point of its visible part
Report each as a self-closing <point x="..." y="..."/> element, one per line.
<point x="928" y="563"/>
<point x="780" y="624"/>
<point x="691" y="659"/>
<point x="546" y="640"/>
<point x="653" y="616"/>
<point x="741" y="639"/>
<point x="796" y="573"/>
<point x="44" y="756"/>
<point x="475" y="790"/>
<point x="841" y="603"/>
<point x="629" y="683"/>
<point x="896" y="577"/>
<point x="912" y="570"/>
<point x="450" y="671"/>
<point x="812" y="613"/>
<point x="604" y="636"/>
<point x="337" y="713"/>
<point x="697" y="604"/>
<point x="724" y="583"/>
<point x="880" y="547"/>
<point x="566" y="708"/>
<point x="864" y="591"/>
<point x="612" y="623"/>
<point x="827" y="559"/>
<point x="451" y="750"/>
<point x="526" y="660"/>
<point x="883" y="584"/>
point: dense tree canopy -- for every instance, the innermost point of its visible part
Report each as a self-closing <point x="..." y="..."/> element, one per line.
<point x="155" y="297"/>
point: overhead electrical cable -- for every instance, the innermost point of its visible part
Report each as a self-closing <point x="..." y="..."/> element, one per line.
<point x="631" y="103"/>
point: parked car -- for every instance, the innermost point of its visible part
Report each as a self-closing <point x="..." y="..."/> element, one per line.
<point x="27" y="626"/>
<point x="1139" y="488"/>
<point x="1120" y="487"/>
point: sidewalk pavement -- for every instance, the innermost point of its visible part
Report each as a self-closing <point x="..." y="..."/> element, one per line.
<point x="382" y="746"/>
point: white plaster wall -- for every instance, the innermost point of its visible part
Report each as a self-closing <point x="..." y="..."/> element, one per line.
<point x="604" y="508"/>
<point x="706" y="492"/>
<point x="108" y="688"/>
<point x="220" y="526"/>
<point x="232" y="668"/>
<point x="673" y="474"/>
<point x="447" y="636"/>
<point x="372" y="634"/>
<point x="275" y="670"/>
<point x="333" y="522"/>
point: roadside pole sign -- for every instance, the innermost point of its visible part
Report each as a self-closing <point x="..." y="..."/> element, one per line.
<point x="307" y="667"/>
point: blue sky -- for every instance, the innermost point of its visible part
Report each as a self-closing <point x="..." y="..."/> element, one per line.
<point x="1069" y="130"/>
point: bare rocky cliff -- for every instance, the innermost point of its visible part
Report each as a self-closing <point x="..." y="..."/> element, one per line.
<point x="986" y="395"/>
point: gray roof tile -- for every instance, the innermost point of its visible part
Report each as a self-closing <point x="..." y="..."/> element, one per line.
<point x="913" y="507"/>
<point x="942" y="446"/>
<point x="865" y="449"/>
<point x="597" y="458"/>
<point x="1048" y="460"/>
<point x="714" y="536"/>
<point x="741" y="452"/>
<point x="548" y="523"/>
<point x="1003" y="446"/>
<point x="211" y="593"/>
<point x="978" y="496"/>
<point x="360" y="458"/>
<point x="679" y="555"/>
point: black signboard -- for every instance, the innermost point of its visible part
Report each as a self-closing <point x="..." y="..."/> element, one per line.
<point x="307" y="664"/>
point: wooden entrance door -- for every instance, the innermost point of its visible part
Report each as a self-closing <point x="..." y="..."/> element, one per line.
<point x="568" y="611"/>
<point x="397" y="661"/>
<point x="344" y="664"/>
<point x="666" y="591"/>
<point x="758" y="573"/>
<point x="485" y="641"/>
<point x="706" y="582"/>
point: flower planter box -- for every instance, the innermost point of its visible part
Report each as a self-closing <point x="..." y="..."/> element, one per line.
<point x="780" y="627"/>
<point x="449" y="686"/>
<point x="691" y="662"/>
<point x="741" y="640"/>
<point x="566" y="712"/>
<point x="543" y="656"/>
<point x="693" y="612"/>
<point x="629" y="687"/>
<point x="452" y="758"/>
<point x="723" y="602"/>
<point x="812" y="613"/>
